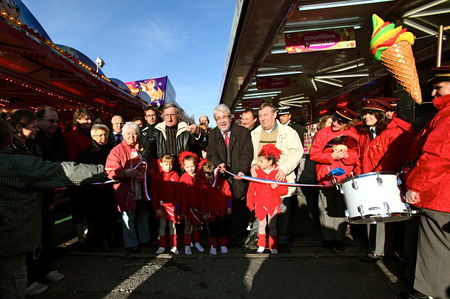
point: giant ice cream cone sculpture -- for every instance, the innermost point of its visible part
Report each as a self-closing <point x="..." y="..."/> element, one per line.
<point x="392" y="46"/>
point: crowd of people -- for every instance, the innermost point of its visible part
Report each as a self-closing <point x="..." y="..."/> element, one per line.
<point x="170" y="179"/>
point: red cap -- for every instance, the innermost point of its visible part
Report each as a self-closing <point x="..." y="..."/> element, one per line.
<point x="376" y="105"/>
<point x="345" y="114"/>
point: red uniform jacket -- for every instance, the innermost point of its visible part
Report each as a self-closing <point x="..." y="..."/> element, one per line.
<point x="189" y="192"/>
<point x="262" y="197"/>
<point x="164" y="190"/>
<point x="388" y="151"/>
<point x="431" y="175"/>
<point x="77" y="142"/>
<point x="216" y="199"/>
<point x="123" y="157"/>
<point x="322" y="155"/>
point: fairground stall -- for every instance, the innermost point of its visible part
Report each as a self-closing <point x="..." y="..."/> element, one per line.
<point x="315" y="55"/>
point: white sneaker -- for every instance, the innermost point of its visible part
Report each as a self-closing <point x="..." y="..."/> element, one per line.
<point x="54" y="276"/>
<point x="223" y="249"/>
<point x="213" y="251"/>
<point x="160" y="250"/>
<point x="260" y="249"/>
<point x="35" y="289"/>
<point x="274" y="251"/>
<point x="174" y="250"/>
<point x="187" y="250"/>
<point x="199" y="247"/>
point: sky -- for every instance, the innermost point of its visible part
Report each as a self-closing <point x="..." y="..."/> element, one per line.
<point x="186" y="40"/>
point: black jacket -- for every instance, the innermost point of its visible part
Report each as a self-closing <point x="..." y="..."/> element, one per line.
<point x="149" y="139"/>
<point x="241" y="154"/>
<point x="185" y="140"/>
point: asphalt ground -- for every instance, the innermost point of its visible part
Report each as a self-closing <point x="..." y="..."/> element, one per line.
<point x="308" y="271"/>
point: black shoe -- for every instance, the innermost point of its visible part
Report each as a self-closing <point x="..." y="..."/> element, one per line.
<point x="327" y="244"/>
<point x="135" y="249"/>
<point x="415" y="295"/>
<point x="338" y="245"/>
<point x="371" y="258"/>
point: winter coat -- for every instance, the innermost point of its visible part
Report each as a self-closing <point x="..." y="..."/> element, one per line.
<point x="185" y="140"/>
<point x="262" y="197"/>
<point x="121" y="158"/>
<point x="388" y="151"/>
<point x="22" y="180"/>
<point x="291" y="148"/>
<point x="216" y="198"/>
<point x="322" y="155"/>
<point x="431" y="175"/>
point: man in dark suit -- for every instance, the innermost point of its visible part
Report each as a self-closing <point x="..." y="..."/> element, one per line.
<point x="230" y="148"/>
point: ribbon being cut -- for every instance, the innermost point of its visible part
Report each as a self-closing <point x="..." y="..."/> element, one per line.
<point x="335" y="171"/>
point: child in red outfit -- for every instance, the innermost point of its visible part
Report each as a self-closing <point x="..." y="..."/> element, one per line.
<point x="265" y="199"/>
<point x="165" y="203"/>
<point x="216" y="205"/>
<point x="190" y="200"/>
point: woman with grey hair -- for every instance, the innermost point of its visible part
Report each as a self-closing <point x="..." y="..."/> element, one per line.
<point x="125" y="164"/>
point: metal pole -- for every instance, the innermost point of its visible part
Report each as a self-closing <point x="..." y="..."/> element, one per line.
<point x="439" y="46"/>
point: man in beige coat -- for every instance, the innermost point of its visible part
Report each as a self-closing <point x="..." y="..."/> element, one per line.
<point x="271" y="131"/>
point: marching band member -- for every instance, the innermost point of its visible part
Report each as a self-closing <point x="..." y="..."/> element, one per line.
<point x="429" y="189"/>
<point x="265" y="199"/>
<point x="331" y="202"/>
<point x="383" y="145"/>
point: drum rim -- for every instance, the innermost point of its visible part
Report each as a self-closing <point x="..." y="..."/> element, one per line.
<point x="368" y="174"/>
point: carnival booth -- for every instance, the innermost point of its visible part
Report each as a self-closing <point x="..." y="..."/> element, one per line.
<point x="35" y="71"/>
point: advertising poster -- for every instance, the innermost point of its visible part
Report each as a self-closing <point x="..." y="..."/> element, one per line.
<point x="321" y="40"/>
<point x="155" y="89"/>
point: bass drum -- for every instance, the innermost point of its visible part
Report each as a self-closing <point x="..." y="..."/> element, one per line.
<point x="374" y="197"/>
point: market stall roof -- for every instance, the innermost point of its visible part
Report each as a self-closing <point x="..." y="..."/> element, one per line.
<point x="259" y="68"/>
<point x="39" y="72"/>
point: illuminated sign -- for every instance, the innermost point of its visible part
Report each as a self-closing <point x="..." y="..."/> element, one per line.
<point x="321" y="40"/>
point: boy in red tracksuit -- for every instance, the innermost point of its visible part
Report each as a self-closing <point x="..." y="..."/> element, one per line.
<point x="165" y="203"/>
<point x="190" y="201"/>
<point x="216" y="206"/>
<point x="265" y="199"/>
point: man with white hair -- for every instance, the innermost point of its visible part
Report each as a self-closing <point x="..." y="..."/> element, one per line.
<point x="230" y="148"/>
<point x="286" y="139"/>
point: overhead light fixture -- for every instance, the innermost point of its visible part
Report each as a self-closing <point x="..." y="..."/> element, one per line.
<point x="354" y="26"/>
<point x="342" y="76"/>
<point x="338" y="4"/>
<point x="258" y="97"/>
<point x="278" y="51"/>
<point x="353" y="66"/>
<point x="329" y="82"/>
<point x="419" y="27"/>
<point x="274" y="92"/>
<point x="278" y="73"/>
<point x="292" y="96"/>
<point x="430" y="13"/>
<point x="314" y="84"/>
<point x="423" y="7"/>
<point x="252" y="89"/>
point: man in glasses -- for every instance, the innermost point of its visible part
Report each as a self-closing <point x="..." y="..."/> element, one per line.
<point x="328" y="157"/>
<point x="49" y="136"/>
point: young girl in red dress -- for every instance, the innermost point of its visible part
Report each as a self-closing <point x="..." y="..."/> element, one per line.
<point x="265" y="199"/>
<point x="190" y="201"/>
<point x="165" y="202"/>
<point x="216" y="206"/>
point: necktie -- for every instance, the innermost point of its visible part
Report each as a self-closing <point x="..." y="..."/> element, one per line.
<point x="226" y="138"/>
<point x="372" y="134"/>
<point x="118" y="138"/>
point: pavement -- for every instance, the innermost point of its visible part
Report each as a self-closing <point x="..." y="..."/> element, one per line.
<point x="308" y="271"/>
